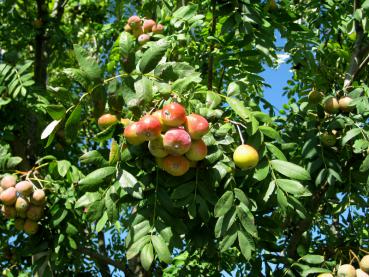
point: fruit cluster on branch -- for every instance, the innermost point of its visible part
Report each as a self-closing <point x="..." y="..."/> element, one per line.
<point x="142" y="29"/>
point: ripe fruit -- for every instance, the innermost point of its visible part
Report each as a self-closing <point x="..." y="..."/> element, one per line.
<point x="173" y="114"/>
<point x="18" y="224"/>
<point x="156" y="148"/>
<point x="245" y="156"/>
<point x="196" y="125"/>
<point x="344" y="104"/>
<point x="9" y="196"/>
<point x="360" y="273"/>
<point x="21" y="205"/>
<point x="134" y="22"/>
<point x="176" y="165"/>
<point x="364" y="263"/>
<point x="130" y="133"/>
<point x="106" y="120"/>
<point x="149" y="127"/>
<point x="346" y="270"/>
<point x="24" y="187"/>
<point x="328" y="139"/>
<point x="315" y="97"/>
<point x="148" y="24"/>
<point x="8" y="181"/>
<point x="30" y="227"/>
<point x="197" y="151"/>
<point x="8" y="211"/>
<point x="331" y="105"/>
<point x="325" y="275"/>
<point x="35" y="212"/>
<point x="38" y="197"/>
<point x="157" y="29"/>
<point x="142" y="39"/>
<point x="176" y="141"/>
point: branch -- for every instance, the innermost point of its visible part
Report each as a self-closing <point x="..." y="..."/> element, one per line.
<point x="105" y="272"/>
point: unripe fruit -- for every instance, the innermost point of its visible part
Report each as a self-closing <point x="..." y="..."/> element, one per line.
<point x="35" y="212"/>
<point x="157" y="29"/>
<point x="176" y="165"/>
<point x="38" y="197"/>
<point x="346" y="270"/>
<point x="24" y="187"/>
<point x="9" y="196"/>
<point x="197" y="151"/>
<point x="173" y="114"/>
<point x="130" y="133"/>
<point x="8" y="211"/>
<point x="331" y="105"/>
<point x="21" y="205"/>
<point x="19" y="224"/>
<point x="22" y="214"/>
<point x="127" y="28"/>
<point x="142" y="39"/>
<point x="149" y="127"/>
<point x="344" y="104"/>
<point x="196" y="125"/>
<point x="315" y="97"/>
<point x="156" y="148"/>
<point x="134" y="22"/>
<point x="30" y="227"/>
<point x="126" y="121"/>
<point x="360" y="273"/>
<point x="328" y="139"/>
<point x="160" y="162"/>
<point x="148" y="24"/>
<point x="8" y="181"/>
<point x="176" y="141"/>
<point x="364" y="264"/>
<point x="106" y="120"/>
<point x="245" y="156"/>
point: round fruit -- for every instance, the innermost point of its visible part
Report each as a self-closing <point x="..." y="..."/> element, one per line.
<point x="38" y="197"/>
<point x="18" y="224"/>
<point x="134" y="22"/>
<point x="328" y="139"/>
<point x="148" y="24"/>
<point x="24" y="187"/>
<point x="22" y="214"/>
<point x="149" y="127"/>
<point x="156" y="148"/>
<point x="344" y="104"/>
<point x="157" y="114"/>
<point x="127" y="28"/>
<point x="21" y="205"/>
<point x="197" y="151"/>
<point x="173" y="114"/>
<point x="142" y="39"/>
<point x="30" y="227"/>
<point x="125" y="121"/>
<point x="364" y="263"/>
<point x="176" y="141"/>
<point x="157" y="29"/>
<point x="35" y="212"/>
<point x="8" y="181"/>
<point x="9" y="211"/>
<point x="361" y="273"/>
<point x="130" y="133"/>
<point x="245" y="156"/>
<point x="106" y="120"/>
<point x="331" y="105"/>
<point x="346" y="270"/>
<point x="315" y="97"/>
<point x="176" y="165"/>
<point x="196" y="125"/>
<point x="325" y="275"/>
<point x="9" y="196"/>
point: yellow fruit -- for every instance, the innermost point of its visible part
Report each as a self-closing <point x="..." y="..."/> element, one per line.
<point x="364" y="264"/>
<point x="346" y="270"/>
<point x="344" y="104"/>
<point x="245" y="156"/>
<point x="331" y="105"/>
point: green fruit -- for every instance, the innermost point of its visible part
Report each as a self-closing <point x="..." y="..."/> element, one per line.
<point x="156" y="148"/>
<point x="19" y="224"/>
<point x="328" y="139"/>
<point x="35" y="212"/>
<point x="315" y="97"/>
<point x="21" y="205"/>
<point x="344" y="104"/>
<point x="30" y="227"/>
<point x="331" y="105"/>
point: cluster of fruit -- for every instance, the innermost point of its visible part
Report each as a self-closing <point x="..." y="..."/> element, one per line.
<point x="142" y="29"/>
<point x="347" y="270"/>
<point x="174" y="138"/>
<point x="22" y="203"/>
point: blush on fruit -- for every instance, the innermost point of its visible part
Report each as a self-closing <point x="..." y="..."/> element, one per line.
<point x="9" y="196"/>
<point x="196" y="125"/>
<point x="106" y="120"/>
<point x="134" y="22"/>
<point x="176" y="165"/>
<point x="173" y="114"/>
<point x="30" y="226"/>
<point x="157" y="29"/>
<point x="176" y="141"/>
<point x="142" y="39"/>
<point x="156" y="148"/>
<point x="130" y="133"/>
<point x="149" y="127"/>
<point x="8" y="181"/>
<point x="197" y="151"/>
<point x="24" y="187"/>
<point x="148" y="24"/>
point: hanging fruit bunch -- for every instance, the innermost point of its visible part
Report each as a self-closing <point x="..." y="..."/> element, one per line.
<point x="142" y="29"/>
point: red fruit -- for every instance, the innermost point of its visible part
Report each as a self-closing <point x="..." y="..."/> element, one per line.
<point x="21" y="205"/>
<point x="176" y="141"/>
<point x="9" y="196"/>
<point x="134" y="22"/>
<point x="196" y="126"/>
<point x="35" y="212"/>
<point x="106" y="120"/>
<point x="30" y="227"/>
<point x="148" y="24"/>
<point x="24" y="187"/>
<point x="173" y="114"/>
<point x="198" y="151"/>
<point x="8" y="211"/>
<point x="38" y="197"/>
<point x="158" y="28"/>
<point x="149" y="127"/>
<point x="142" y="39"/>
<point x="176" y="165"/>
<point x="8" y="181"/>
<point x="130" y="133"/>
<point x="157" y="114"/>
<point x="156" y="148"/>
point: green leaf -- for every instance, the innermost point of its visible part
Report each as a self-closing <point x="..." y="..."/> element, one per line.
<point x="261" y="170"/>
<point x="130" y="184"/>
<point x="224" y="204"/>
<point x="183" y="191"/>
<point x="241" y="196"/>
<point x="228" y="240"/>
<point x="161" y="249"/>
<point x="350" y="135"/>
<point x="136" y="247"/>
<point x="282" y="199"/>
<point x="114" y="152"/>
<point x="96" y="177"/>
<point x="224" y="223"/>
<point x="49" y="129"/>
<point x="147" y="256"/>
<point x="71" y="229"/>
<point x="291" y="186"/>
<point x="365" y="164"/>
<point x="212" y="99"/>
<point x="72" y="124"/>
<point x="246" y="244"/>
<point x="270" y="132"/>
<point x="63" y="167"/>
<point x="269" y="191"/>
<point x="93" y="157"/>
<point x="239" y="108"/>
<point x="152" y="56"/>
<point x="313" y="259"/>
<point x="72" y="243"/>
<point x="87" y="199"/>
<point x="185" y="12"/>
<point x="57" y="112"/>
<point x="290" y="170"/>
<point x="13" y="162"/>
<point x="247" y="219"/>
<point x="143" y="88"/>
<point x="102" y="221"/>
<point x="87" y="63"/>
<point x="275" y="151"/>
